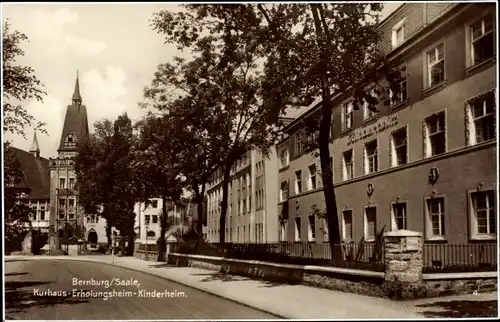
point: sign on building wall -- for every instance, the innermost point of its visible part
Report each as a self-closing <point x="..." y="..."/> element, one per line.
<point x="374" y="129"/>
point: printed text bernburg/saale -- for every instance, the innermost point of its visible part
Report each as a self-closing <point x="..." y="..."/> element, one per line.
<point x="106" y="283"/>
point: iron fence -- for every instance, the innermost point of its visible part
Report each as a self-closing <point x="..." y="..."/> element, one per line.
<point x="459" y="257"/>
<point x="366" y="256"/>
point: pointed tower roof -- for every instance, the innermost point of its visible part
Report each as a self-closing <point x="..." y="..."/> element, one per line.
<point x="34" y="145"/>
<point x="76" y="127"/>
<point x="77" y="98"/>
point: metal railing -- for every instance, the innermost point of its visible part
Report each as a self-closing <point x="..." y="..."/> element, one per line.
<point x="366" y="256"/>
<point x="459" y="257"/>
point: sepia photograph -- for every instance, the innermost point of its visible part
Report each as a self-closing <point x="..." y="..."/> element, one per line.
<point x="250" y="160"/>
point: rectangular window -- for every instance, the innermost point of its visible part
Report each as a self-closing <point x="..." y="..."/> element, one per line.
<point x="71" y="203"/>
<point x="284" y="191"/>
<point x="155" y="203"/>
<point x="401" y="94"/>
<point x="249" y="204"/>
<point x="347" y="225"/>
<point x="369" y="110"/>
<point x="435" y="134"/>
<point x="146" y="219"/>
<point x="348" y="162"/>
<point x="62" y="215"/>
<point x="347" y="116"/>
<point x="325" y="230"/>
<point x="398" y="34"/>
<point x="312" y="177"/>
<point x="481" y="115"/>
<point x="371" y="157"/>
<point x="482" y="40"/>
<point x="42" y="214"/>
<point x="435" y="65"/>
<point x="297" y="229"/>
<point x="298" y="182"/>
<point x="244" y="206"/>
<point x="62" y="203"/>
<point x="283" y="226"/>
<point x="71" y="183"/>
<point x="284" y="157"/>
<point x="370" y="223"/>
<point x="399" y="216"/>
<point x="435" y="211"/>
<point x="484" y="212"/>
<point x="155" y="219"/>
<point x="399" y="147"/>
<point x="62" y="183"/>
<point x="312" y="228"/>
<point x="298" y="143"/>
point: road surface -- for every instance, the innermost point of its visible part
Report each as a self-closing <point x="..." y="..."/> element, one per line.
<point x="45" y="290"/>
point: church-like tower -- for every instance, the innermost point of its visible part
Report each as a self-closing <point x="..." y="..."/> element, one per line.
<point x="67" y="218"/>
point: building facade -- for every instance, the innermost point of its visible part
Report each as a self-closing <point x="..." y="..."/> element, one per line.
<point x="252" y="209"/>
<point x="35" y="184"/>
<point x="181" y="215"/>
<point x="427" y="160"/>
<point x="67" y="217"/>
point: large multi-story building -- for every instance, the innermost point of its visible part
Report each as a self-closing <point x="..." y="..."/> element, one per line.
<point x="67" y="216"/>
<point x="427" y="160"/>
<point x="252" y="208"/>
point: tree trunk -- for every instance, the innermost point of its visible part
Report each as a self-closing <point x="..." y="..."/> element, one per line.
<point x="162" y="244"/>
<point x="324" y="142"/>
<point x="131" y="240"/>
<point x="223" y="210"/>
<point x="199" y="197"/>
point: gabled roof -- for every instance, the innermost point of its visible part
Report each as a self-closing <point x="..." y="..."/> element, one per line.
<point x="76" y="122"/>
<point x="36" y="174"/>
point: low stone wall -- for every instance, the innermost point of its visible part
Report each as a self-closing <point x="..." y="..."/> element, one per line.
<point x="150" y="256"/>
<point x="346" y="280"/>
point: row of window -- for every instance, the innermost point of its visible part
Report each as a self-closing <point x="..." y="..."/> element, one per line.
<point x="482" y="216"/>
<point x="480" y="115"/>
<point x="147" y="219"/>
<point x="62" y="183"/>
<point x="40" y="215"/>
<point x="70" y="204"/>
<point x="243" y="234"/>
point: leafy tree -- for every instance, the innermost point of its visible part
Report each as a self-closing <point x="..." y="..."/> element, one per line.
<point x="106" y="177"/>
<point x="157" y="161"/>
<point x="16" y="212"/>
<point x="221" y="83"/>
<point x="19" y="84"/>
<point x="324" y="50"/>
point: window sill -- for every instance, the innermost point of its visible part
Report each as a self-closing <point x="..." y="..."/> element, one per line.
<point x="370" y="119"/>
<point x="435" y="239"/>
<point x="483" y="237"/>
<point x="397" y="106"/>
<point x="472" y="69"/>
<point x="346" y="131"/>
<point x="284" y="168"/>
<point x="369" y="240"/>
<point x="434" y="88"/>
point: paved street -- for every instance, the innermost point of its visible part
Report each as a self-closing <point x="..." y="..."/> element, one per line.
<point x="26" y="281"/>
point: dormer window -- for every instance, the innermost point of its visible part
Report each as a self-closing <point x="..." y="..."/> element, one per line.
<point x="70" y="141"/>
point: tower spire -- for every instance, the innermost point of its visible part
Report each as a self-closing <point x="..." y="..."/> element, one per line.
<point x="35" y="149"/>
<point x="77" y="98"/>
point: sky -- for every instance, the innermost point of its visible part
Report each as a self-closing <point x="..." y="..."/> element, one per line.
<point x="112" y="46"/>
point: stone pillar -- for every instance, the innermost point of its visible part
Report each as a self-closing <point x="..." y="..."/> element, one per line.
<point x="403" y="264"/>
<point x="27" y="244"/>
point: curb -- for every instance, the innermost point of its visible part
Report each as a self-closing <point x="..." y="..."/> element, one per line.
<point x="277" y="315"/>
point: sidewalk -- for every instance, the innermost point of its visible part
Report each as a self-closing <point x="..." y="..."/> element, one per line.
<point x="291" y="301"/>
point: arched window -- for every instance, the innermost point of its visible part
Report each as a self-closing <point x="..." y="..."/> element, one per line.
<point x="151" y="234"/>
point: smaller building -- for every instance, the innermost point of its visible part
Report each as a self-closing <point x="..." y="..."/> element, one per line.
<point x="35" y="184"/>
<point x="181" y="215"/>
